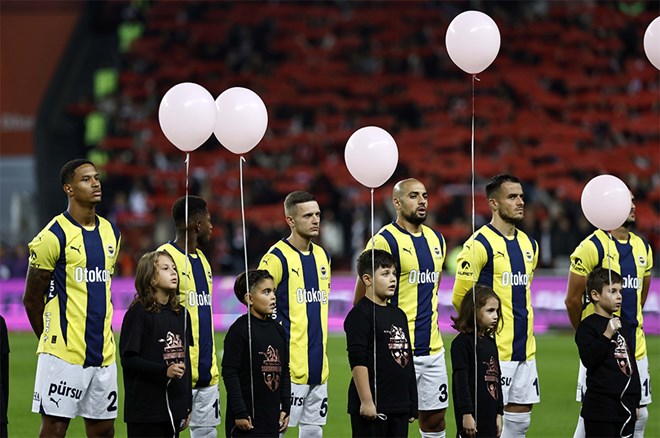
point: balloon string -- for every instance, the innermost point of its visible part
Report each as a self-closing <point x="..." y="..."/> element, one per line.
<point x="185" y="254"/>
<point x="373" y="297"/>
<point x="474" y="274"/>
<point x="247" y="282"/>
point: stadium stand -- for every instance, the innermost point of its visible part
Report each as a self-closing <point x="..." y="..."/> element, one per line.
<point x="570" y="96"/>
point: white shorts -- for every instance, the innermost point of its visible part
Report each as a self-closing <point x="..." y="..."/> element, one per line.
<point x="644" y="380"/>
<point x="309" y="404"/>
<point x="65" y="390"/>
<point x="432" y="383"/>
<point x="520" y="382"/>
<point x="205" y="407"/>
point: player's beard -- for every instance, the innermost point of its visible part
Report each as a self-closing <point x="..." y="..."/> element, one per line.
<point x="510" y="219"/>
<point x="628" y="223"/>
<point x="413" y="218"/>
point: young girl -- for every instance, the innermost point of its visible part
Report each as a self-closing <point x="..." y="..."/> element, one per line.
<point x="257" y="405"/>
<point x="153" y="344"/>
<point x="488" y="405"/>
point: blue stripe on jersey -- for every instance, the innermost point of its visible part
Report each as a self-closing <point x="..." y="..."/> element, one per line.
<point x="486" y="275"/>
<point x="205" y="341"/>
<point x="394" y="248"/>
<point x="629" y="271"/>
<point x="518" y="301"/>
<point x="314" y="327"/>
<point x="422" y="345"/>
<point x="96" y="295"/>
<point x="59" y="278"/>
<point x="283" y="313"/>
<point x="599" y="248"/>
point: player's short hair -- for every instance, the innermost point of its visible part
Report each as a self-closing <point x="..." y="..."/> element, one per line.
<point x="496" y="182"/>
<point x="145" y="278"/>
<point x="196" y="208"/>
<point x="599" y="278"/>
<point x="382" y="259"/>
<point x="69" y="169"/>
<point x="254" y="276"/>
<point x="295" y="198"/>
<point x="464" y="321"/>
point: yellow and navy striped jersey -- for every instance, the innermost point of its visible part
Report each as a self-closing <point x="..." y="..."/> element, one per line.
<point x="633" y="260"/>
<point x="78" y="313"/>
<point x="302" y="281"/>
<point x="507" y="266"/>
<point x="195" y="292"/>
<point x="419" y="264"/>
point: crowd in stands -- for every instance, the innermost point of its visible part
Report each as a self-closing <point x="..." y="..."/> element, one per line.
<point x="570" y="96"/>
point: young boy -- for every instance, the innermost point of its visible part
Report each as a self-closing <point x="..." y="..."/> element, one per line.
<point x="606" y="350"/>
<point x="258" y="383"/>
<point x="386" y="408"/>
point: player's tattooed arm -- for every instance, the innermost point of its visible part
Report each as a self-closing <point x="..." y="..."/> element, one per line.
<point x="37" y="283"/>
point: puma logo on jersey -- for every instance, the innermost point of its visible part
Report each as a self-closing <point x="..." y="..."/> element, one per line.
<point x="77" y="249"/>
<point x="186" y="275"/>
<point x="407" y="250"/>
<point x="296" y="271"/>
<point x="499" y="253"/>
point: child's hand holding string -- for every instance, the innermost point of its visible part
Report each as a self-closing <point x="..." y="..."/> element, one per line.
<point x="613" y="326"/>
<point x="176" y="370"/>
<point x="368" y="410"/>
<point x="284" y="421"/>
<point x="244" y="423"/>
<point x="469" y="426"/>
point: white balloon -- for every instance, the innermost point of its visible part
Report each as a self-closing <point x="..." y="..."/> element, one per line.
<point x="187" y="115"/>
<point x="242" y="119"/>
<point x="606" y="202"/>
<point x="371" y="156"/>
<point x="473" y="41"/>
<point x="652" y="42"/>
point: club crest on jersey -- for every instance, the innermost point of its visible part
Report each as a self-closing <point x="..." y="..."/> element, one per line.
<point x="641" y="260"/>
<point x="436" y="251"/>
<point x="110" y="249"/>
<point x="398" y="345"/>
<point x="529" y="257"/>
<point x="271" y="368"/>
<point x="324" y="272"/>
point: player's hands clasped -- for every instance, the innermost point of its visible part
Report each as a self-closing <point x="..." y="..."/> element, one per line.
<point x="284" y="421"/>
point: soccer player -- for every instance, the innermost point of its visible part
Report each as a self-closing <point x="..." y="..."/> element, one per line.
<point x="630" y="255"/>
<point x="195" y="290"/>
<point x="301" y="273"/>
<point x="419" y="252"/>
<point x="503" y="258"/>
<point x="67" y="300"/>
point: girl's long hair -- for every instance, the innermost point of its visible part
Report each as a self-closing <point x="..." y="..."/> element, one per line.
<point x="464" y="322"/>
<point x="145" y="283"/>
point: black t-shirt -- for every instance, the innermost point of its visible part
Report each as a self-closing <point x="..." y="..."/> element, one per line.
<point x="489" y="391"/>
<point x="611" y="366"/>
<point x="397" y="385"/>
<point x="148" y="344"/>
<point x="270" y="375"/>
